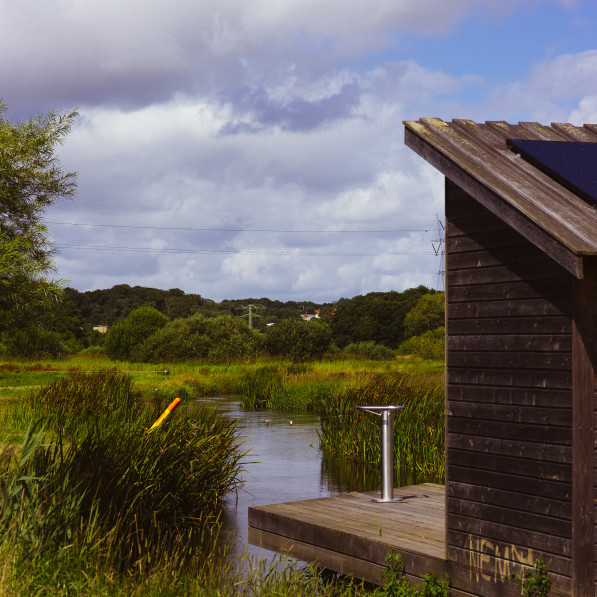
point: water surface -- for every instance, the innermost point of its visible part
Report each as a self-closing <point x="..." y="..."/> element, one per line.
<point x="284" y="464"/>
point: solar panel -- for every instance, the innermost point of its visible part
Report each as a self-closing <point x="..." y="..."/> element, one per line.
<point x="570" y="163"/>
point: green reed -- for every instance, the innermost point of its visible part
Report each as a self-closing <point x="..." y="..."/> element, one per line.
<point x="89" y="489"/>
<point x="418" y="427"/>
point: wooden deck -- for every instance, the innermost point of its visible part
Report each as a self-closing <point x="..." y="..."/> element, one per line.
<point x="352" y="534"/>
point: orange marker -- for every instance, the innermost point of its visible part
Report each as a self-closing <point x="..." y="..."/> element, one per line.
<point x="172" y="406"/>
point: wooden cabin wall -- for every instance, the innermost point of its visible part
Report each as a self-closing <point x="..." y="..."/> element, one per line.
<point x="584" y="438"/>
<point x="508" y="400"/>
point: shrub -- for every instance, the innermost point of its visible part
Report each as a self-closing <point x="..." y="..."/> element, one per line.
<point x="429" y="346"/>
<point x="94" y="350"/>
<point x="199" y="337"/>
<point x="370" y="350"/>
<point x="297" y="339"/>
<point x="124" y="337"/>
<point x="31" y="342"/>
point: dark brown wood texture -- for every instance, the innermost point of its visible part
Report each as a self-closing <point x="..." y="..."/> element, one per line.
<point x="584" y="332"/>
<point x="509" y="398"/>
<point x="352" y="534"/>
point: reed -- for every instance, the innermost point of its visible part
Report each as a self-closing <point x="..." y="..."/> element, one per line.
<point x="418" y="427"/>
<point x="90" y="491"/>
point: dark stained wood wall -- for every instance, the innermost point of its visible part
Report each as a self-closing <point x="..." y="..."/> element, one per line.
<point x="584" y="348"/>
<point x="509" y="400"/>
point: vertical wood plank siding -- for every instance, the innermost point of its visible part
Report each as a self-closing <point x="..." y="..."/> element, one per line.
<point x="584" y="339"/>
<point x="509" y="399"/>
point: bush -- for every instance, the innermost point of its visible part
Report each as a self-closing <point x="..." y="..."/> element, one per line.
<point x="428" y="346"/>
<point x="31" y="342"/>
<point x="93" y="351"/>
<point x="124" y="337"/>
<point x="370" y="350"/>
<point x="297" y="339"/>
<point x="199" y="337"/>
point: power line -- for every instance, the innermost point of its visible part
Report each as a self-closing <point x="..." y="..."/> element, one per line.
<point x="240" y="229"/>
<point x="237" y="251"/>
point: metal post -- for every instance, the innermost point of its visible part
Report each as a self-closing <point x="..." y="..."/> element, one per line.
<point x="387" y="449"/>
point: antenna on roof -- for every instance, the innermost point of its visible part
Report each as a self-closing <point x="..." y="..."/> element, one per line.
<point x="438" y="249"/>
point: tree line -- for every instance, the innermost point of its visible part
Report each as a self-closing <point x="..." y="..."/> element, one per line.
<point x="159" y="325"/>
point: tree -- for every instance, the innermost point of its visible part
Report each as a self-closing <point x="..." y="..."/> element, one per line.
<point x="298" y="339"/>
<point x="426" y="315"/>
<point x="124" y="337"/>
<point x="30" y="181"/>
<point x="377" y="316"/>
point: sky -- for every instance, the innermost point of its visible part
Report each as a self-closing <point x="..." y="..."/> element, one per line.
<point x="252" y="148"/>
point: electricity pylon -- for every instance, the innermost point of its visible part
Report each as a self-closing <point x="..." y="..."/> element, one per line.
<point x="440" y="251"/>
<point x="251" y="312"/>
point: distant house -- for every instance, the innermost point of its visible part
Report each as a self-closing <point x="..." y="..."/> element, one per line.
<point x="102" y="329"/>
<point x="309" y="316"/>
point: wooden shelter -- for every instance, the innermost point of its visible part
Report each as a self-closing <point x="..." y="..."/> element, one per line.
<point x="521" y="294"/>
<point x="521" y="383"/>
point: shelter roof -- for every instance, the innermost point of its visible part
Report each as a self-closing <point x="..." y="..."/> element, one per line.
<point x="478" y="159"/>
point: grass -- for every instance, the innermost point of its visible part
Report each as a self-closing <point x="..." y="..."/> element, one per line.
<point x="89" y="491"/>
<point x="333" y="387"/>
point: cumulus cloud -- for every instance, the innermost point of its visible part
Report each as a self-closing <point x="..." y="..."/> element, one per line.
<point x="250" y="148"/>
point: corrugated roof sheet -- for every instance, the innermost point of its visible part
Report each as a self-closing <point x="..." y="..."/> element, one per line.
<point x="475" y="156"/>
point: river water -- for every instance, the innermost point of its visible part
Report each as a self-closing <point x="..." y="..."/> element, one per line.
<point x="284" y="464"/>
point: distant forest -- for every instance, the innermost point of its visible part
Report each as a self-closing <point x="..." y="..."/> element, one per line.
<point x="377" y="317"/>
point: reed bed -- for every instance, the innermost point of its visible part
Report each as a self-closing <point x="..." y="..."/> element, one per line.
<point x="93" y="504"/>
<point x="305" y="386"/>
<point x="91" y="492"/>
<point x="418" y="427"/>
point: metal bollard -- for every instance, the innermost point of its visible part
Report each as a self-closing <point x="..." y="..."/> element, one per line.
<point x="387" y="449"/>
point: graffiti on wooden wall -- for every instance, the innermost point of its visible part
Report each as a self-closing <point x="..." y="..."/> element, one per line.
<point x="494" y="561"/>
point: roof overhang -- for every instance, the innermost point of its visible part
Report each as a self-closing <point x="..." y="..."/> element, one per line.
<point x="476" y="158"/>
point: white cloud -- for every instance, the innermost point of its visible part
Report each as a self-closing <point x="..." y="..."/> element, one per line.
<point x="586" y="111"/>
<point x="248" y="114"/>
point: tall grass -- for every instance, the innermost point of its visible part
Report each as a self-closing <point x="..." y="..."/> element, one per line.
<point x="285" y="385"/>
<point x="92" y="492"/>
<point x="418" y="427"/>
<point x="289" y="386"/>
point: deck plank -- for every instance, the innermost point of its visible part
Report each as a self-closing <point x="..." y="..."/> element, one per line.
<point x="351" y="533"/>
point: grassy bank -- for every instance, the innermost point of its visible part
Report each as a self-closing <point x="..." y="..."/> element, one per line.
<point x="86" y="492"/>
<point x="333" y="387"/>
<point x="302" y="384"/>
<point x="91" y="503"/>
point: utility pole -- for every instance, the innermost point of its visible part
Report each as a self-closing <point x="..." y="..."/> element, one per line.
<point x="251" y="312"/>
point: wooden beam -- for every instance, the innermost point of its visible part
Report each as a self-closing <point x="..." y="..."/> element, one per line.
<point x="584" y="366"/>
